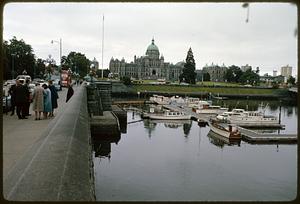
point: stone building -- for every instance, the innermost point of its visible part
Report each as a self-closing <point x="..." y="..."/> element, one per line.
<point x="150" y="66"/>
<point x="286" y="71"/>
<point x="216" y="72"/>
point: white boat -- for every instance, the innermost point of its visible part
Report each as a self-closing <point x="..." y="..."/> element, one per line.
<point x="169" y="115"/>
<point x="229" y="132"/>
<point x="254" y="119"/>
<point x="210" y="109"/>
<point x="177" y="100"/>
<point x="160" y="100"/>
<point x="225" y="116"/>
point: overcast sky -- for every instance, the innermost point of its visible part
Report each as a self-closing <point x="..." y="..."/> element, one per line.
<point x="216" y="32"/>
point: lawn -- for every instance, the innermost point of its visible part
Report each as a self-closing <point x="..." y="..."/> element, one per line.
<point x="213" y="90"/>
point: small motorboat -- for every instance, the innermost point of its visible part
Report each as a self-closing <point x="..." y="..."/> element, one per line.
<point x="225" y="130"/>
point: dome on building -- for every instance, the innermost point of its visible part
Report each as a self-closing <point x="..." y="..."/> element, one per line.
<point x="152" y="50"/>
<point x="180" y="64"/>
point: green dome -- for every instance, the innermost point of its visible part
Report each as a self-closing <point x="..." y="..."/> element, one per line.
<point x="152" y="50"/>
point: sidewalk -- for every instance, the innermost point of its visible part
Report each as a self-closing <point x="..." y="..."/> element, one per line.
<point x="19" y="135"/>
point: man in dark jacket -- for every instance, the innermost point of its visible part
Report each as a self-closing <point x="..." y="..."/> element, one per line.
<point x="12" y="93"/>
<point x="21" y="99"/>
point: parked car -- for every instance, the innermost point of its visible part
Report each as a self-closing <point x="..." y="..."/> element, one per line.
<point x="6" y="103"/>
<point x="24" y="77"/>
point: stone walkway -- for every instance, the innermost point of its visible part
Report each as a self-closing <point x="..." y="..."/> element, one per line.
<point x="20" y="135"/>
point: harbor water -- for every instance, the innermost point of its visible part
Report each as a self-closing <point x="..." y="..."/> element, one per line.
<point x="181" y="161"/>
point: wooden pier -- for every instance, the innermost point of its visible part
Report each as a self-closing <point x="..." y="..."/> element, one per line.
<point x="255" y="137"/>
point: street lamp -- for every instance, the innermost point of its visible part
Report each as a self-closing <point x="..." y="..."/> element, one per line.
<point x="60" y="52"/>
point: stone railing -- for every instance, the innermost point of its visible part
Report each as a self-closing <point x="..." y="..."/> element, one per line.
<point x="59" y="166"/>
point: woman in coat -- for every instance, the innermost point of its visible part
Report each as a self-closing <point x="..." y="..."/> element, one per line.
<point x="47" y="101"/>
<point x="38" y="101"/>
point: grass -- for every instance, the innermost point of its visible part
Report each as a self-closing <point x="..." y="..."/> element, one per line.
<point x="213" y="90"/>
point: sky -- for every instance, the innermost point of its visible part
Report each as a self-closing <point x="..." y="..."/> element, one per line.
<point x="217" y="32"/>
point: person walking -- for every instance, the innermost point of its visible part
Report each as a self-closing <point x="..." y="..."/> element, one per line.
<point x="12" y="93"/>
<point x="21" y="99"/>
<point x="47" y="101"/>
<point x="38" y="101"/>
<point x="54" y="97"/>
<point x="28" y="101"/>
<point x="70" y="92"/>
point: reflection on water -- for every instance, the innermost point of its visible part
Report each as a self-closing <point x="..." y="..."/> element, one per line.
<point x="174" y="124"/>
<point x="182" y="161"/>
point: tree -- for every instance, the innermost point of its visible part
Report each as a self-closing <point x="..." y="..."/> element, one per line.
<point x="249" y="77"/>
<point x="188" y="73"/>
<point x="126" y="80"/>
<point x="105" y="72"/>
<point x="291" y="80"/>
<point x="206" y="77"/>
<point x="77" y="62"/>
<point x="233" y="74"/>
<point x="39" y="68"/>
<point x="18" y="57"/>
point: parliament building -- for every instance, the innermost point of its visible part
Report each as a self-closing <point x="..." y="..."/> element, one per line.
<point x="150" y="66"/>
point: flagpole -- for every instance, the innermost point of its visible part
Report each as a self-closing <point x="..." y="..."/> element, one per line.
<point x="102" y="44"/>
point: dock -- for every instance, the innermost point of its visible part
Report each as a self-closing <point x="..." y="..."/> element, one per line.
<point x="255" y="137"/>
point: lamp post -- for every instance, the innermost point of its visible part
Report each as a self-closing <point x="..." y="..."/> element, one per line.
<point x="60" y="53"/>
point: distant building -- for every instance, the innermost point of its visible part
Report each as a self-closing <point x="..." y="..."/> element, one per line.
<point x="216" y="72"/>
<point x="95" y="63"/>
<point x="274" y="73"/>
<point x="246" y="67"/>
<point x="269" y="79"/>
<point x="286" y="71"/>
<point x="150" y="66"/>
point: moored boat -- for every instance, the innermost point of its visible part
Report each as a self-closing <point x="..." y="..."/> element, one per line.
<point x="228" y="132"/>
<point x="169" y="115"/>
<point x="210" y="109"/>
<point x="160" y="100"/>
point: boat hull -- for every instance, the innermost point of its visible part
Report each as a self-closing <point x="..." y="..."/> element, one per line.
<point x="224" y="133"/>
<point x="162" y="117"/>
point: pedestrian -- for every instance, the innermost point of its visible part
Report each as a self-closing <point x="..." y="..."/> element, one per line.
<point x="70" y="92"/>
<point x="21" y="99"/>
<point x="54" y="97"/>
<point x="29" y="98"/>
<point x="12" y="93"/>
<point x="38" y="101"/>
<point x="47" y="101"/>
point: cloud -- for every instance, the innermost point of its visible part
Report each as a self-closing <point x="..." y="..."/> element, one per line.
<point x="217" y="32"/>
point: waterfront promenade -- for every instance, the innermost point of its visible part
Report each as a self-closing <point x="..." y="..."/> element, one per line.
<point x="20" y="135"/>
<point x="51" y="159"/>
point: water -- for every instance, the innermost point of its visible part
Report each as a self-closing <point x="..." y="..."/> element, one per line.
<point x="182" y="162"/>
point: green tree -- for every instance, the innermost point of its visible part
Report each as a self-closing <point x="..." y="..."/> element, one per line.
<point x="18" y="57"/>
<point x="188" y="73"/>
<point x="77" y="62"/>
<point x="249" y="77"/>
<point x="291" y="80"/>
<point x="126" y="80"/>
<point x="206" y="77"/>
<point x="39" y="68"/>
<point x="105" y="73"/>
<point x="233" y="74"/>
